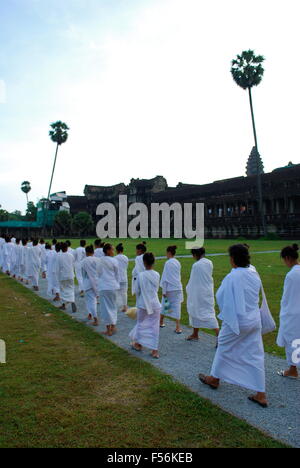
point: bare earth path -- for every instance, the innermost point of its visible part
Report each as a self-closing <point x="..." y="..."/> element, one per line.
<point x="184" y="360"/>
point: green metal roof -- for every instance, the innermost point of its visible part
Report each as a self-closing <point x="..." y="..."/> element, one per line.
<point x="20" y="224"/>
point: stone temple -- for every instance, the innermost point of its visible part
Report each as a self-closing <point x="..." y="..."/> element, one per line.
<point x="231" y="205"/>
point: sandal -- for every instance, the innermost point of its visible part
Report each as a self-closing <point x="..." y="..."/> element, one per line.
<point x="254" y="400"/>
<point x="282" y="374"/>
<point x="203" y="378"/>
<point x="191" y="338"/>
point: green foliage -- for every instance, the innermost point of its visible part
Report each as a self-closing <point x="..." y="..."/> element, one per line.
<point x="82" y="223"/>
<point x="247" y="70"/>
<point x="62" y="223"/>
<point x="15" y="216"/>
<point x="31" y="212"/>
<point x="26" y="187"/>
<point x="4" y="215"/>
<point x="59" y="132"/>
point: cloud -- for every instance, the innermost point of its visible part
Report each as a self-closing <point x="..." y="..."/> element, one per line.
<point x="2" y="92"/>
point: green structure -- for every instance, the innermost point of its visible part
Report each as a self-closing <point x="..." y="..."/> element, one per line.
<point x="20" y="228"/>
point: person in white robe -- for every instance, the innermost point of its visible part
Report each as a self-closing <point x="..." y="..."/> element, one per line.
<point x="8" y="248"/>
<point x="122" y="293"/>
<point x="171" y="289"/>
<point x="54" y="273"/>
<point x="79" y="255"/>
<point x="17" y="259"/>
<point x="138" y="266"/>
<point x="98" y="249"/>
<point x="146" y="331"/>
<point x="2" y="242"/>
<point x="239" y="359"/>
<point x="289" y="330"/>
<point x="109" y="283"/>
<point x="42" y="246"/>
<point x="14" y="258"/>
<point x="23" y="262"/>
<point x="200" y="295"/>
<point x="34" y="264"/>
<point x="65" y="274"/>
<point x="90" y="283"/>
<point x="70" y="249"/>
<point x="49" y="260"/>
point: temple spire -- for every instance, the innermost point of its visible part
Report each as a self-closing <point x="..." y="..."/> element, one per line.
<point x="254" y="163"/>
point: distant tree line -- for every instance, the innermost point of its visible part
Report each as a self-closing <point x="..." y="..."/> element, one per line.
<point x="16" y="215"/>
<point x="78" y="225"/>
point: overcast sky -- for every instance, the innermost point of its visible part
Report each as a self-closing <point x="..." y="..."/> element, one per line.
<point x="146" y="89"/>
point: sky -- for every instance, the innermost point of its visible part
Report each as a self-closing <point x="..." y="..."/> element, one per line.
<point x="146" y="89"/>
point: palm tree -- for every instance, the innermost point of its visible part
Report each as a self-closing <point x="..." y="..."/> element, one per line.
<point x="59" y="135"/>
<point x="247" y="71"/>
<point x="26" y="187"/>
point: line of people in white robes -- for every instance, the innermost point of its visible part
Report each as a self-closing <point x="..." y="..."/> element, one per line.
<point x="102" y="278"/>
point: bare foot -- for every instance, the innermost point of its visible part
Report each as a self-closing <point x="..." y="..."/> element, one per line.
<point x="260" y="399"/>
<point x="155" y="354"/>
<point x="192" y="338"/>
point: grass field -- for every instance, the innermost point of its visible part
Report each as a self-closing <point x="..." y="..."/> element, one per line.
<point x="64" y="386"/>
<point x="269" y="266"/>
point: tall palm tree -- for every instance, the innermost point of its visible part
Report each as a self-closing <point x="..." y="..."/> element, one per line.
<point x="247" y="71"/>
<point x="26" y="187"/>
<point x="59" y="135"/>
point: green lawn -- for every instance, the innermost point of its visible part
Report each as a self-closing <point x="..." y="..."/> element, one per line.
<point x="158" y="246"/>
<point x="65" y="386"/>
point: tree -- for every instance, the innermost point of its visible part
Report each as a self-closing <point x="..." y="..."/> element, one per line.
<point x="4" y="215"/>
<point x="15" y="216"/>
<point x="59" y="135"/>
<point x="31" y="212"/>
<point x="247" y="71"/>
<point x="26" y="187"/>
<point x="83" y="223"/>
<point x="63" y="223"/>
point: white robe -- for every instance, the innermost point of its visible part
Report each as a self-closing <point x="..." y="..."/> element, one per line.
<point x="139" y="267"/>
<point x="146" y="330"/>
<point x="99" y="253"/>
<point x="2" y="242"/>
<point x="90" y="283"/>
<point x="7" y="256"/>
<point x="43" y="257"/>
<point x="23" y="262"/>
<point x="122" y="293"/>
<point x="14" y="259"/>
<point x="65" y="275"/>
<point x="109" y="283"/>
<point x="200" y="296"/>
<point x="172" y="287"/>
<point x="49" y="262"/>
<point x="289" y="329"/>
<point x="239" y="359"/>
<point x="34" y="264"/>
<point x="54" y="273"/>
<point x="79" y="255"/>
<point x="18" y="249"/>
